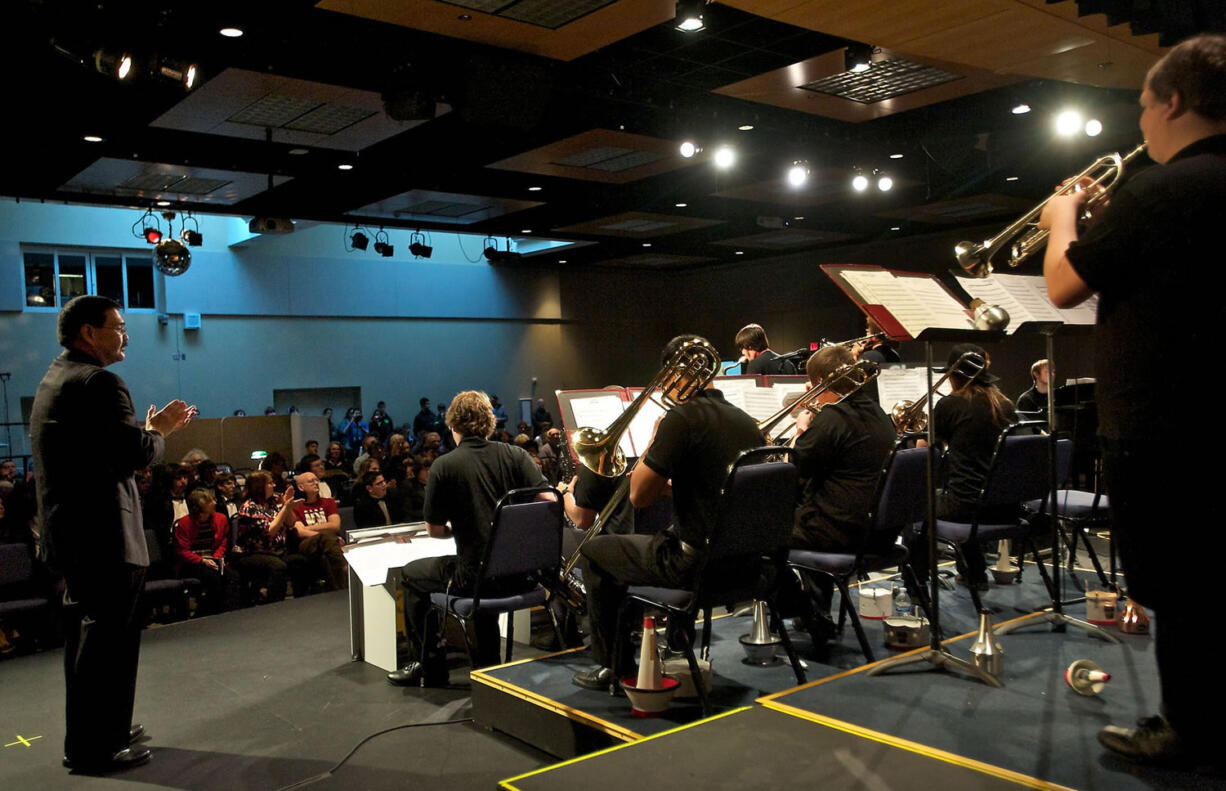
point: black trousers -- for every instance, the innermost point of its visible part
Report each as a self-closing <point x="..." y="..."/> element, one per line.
<point x="432" y="575"/>
<point x="101" y="653"/>
<point x="1160" y="517"/>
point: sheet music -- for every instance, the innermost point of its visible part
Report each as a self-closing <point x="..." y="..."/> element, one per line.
<point x="943" y="309"/>
<point x="763" y="402"/>
<point x="734" y="389"/>
<point x="638" y="437"/>
<point x="874" y="286"/>
<point x="599" y="411"/>
<point x="1025" y="297"/>
<point x="898" y="383"/>
<point x="371" y="560"/>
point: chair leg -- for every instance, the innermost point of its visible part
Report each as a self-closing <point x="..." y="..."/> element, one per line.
<point x="706" y="633"/>
<point x="978" y="602"/>
<point x="696" y="674"/>
<point x="782" y="631"/>
<point x="846" y="608"/>
<point x="557" y="627"/>
<point x="1094" y="561"/>
<point x="510" y="634"/>
<point x="1047" y="583"/>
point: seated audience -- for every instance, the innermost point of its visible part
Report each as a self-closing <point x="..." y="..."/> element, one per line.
<point x="315" y="545"/>
<point x="335" y="459"/>
<point x="201" y="540"/>
<point x="265" y="519"/>
<point x="313" y="464"/>
<point x="371" y="508"/>
<point x="226" y="494"/>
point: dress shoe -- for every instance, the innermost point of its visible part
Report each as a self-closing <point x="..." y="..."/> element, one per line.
<point x="415" y="674"/>
<point x="597" y="678"/>
<point x="135" y="732"/>
<point x="1152" y="741"/>
<point x="126" y="758"/>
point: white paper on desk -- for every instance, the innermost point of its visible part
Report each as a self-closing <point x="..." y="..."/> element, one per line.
<point x="599" y="411"/>
<point x="371" y="560"/>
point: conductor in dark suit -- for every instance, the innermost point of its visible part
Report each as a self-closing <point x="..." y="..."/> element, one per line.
<point x="759" y="359"/>
<point x="91" y="525"/>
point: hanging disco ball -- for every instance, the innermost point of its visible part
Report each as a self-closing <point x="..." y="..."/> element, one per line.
<point x="171" y="257"/>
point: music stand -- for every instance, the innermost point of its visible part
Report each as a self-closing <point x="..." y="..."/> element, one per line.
<point x="937" y="654"/>
<point x="1055" y="614"/>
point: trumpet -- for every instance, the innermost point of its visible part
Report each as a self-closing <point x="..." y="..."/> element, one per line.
<point x="858" y="374"/>
<point x="1023" y="237"/>
<point x="910" y="417"/>
<point x="853" y="341"/>
<point x="687" y="372"/>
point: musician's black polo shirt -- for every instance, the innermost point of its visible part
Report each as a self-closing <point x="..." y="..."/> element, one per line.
<point x="967" y="427"/>
<point x="464" y="487"/>
<point x="695" y="445"/>
<point x="840" y="456"/>
<point x="1155" y="259"/>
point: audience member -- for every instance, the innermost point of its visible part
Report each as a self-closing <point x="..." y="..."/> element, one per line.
<point x="354" y="431"/>
<point x="275" y="465"/>
<point x="192" y="459"/>
<point x="315" y="547"/>
<point x="410" y="496"/>
<point x="270" y="411"/>
<point x="367" y="466"/>
<point x="226" y="494"/>
<point x="372" y="509"/>
<point x="381" y="424"/>
<point x="540" y="416"/>
<point x="335" y="458"/>
<point x="264" y="521"/>
<point x="370" y="449"/>
<point x="550" y="453"/>
<point x="313" y="464"/>
<point x="201" y="540"/>
<point x="500" y="413"/>
<point x="424" y="421"/>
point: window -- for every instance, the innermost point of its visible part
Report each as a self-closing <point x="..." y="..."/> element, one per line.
<point x="52" y="277"/>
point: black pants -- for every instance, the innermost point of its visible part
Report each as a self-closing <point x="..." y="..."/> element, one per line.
<point x="615" y="562"/>
<point x="101" y="653"/>
<point x="262" y="568"/>
<point x="1160" y="517"/>
<point x="221" y="588"/>
<point x="432" y="575"/>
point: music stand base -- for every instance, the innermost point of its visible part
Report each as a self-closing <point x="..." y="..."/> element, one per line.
<point x="939" y="658"/>
<point x="1059" y="620"/>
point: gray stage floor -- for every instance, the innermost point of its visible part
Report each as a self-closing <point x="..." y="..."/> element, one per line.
<point x="261" y="699"/>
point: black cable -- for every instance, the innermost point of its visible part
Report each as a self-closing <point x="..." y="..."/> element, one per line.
<point x="348" y="755"/>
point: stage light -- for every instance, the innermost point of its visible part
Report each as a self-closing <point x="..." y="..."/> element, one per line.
<point x="884" y="183"/>
<point x="359" y="240"/>
<point x="152" y="235"/>
<point x="382" y="244"/>
<point x="1068" y="123"/>
<point x="798" y="173"/>
<point x="115" y="64"/>
<point x="689" y="15"/>
<point x="496" y="256"/>
<point x="857" y="58"/>
<point x="1094" y="127"/>
<point x="418" y="246"/>
<point x="860" y="182"/>
<point x="746" y="127"/>
<point x="191" y="236"/>
<point x="1020" y="109"/>
<point x="688" y="149"/>
<point x="725" y="157"/>
<point x="177" y="71"/>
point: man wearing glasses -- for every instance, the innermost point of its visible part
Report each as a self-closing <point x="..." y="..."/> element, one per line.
<point x="91" y="526"/>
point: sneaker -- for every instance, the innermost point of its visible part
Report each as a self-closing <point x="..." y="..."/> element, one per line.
<point x="1152" y="741"/>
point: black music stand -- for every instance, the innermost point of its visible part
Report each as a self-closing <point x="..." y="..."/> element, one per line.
<point x="937" y="654"/>
<point x="1054" y="614"/>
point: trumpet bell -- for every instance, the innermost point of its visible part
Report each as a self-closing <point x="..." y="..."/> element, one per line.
<point x="598" y="451"/>
<point x="973" y="259"/>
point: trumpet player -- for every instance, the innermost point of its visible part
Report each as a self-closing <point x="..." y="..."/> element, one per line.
<point x="839" y="454"/>
<point x="1158" y="239"/>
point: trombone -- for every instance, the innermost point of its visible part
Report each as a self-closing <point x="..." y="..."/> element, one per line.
<point x="911" y="417"/>
<point x="853" y="341"/>
<point x="687" y="372"/>
<point x="858" y="374"/>
<point x="1023" y="237"/>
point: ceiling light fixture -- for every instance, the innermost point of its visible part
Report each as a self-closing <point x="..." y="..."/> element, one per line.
<point x="689" y="15"/>
<point x="150" y="228"/>
<point x="418" y="246"/>
<point x="1094" y="127"/>
<point x="496" y="256"/>
<point x="171" y="256"/>
<point x="114" y="64"/>
<point x="739" y="252"/>
<point x="92" y="139"/>
<point x="298" y="151"/>
<point x="1068" y="123"/>
<point x="895" y="227"/>
<point x="745" y="127"/>
<point x="857" y="58"/>
<point x="382" y="246"/>
<point x="688" y="149"/>
<point x="896" y="156"/>
<point x="345" y="166"/>
<point x="231" y="32"/>
<point x="1020" y="109"/>
<point x="191" y="236"/>
<point x="681" y="205"/>
<point x="798" y="173"/>
<point x="1010" y="178"/>
<point x="884" y="182"/>
<point x="177" y="71"/>
<point x="647" y="244"/>
<point x="561" y="260"/>
<point x="359" y="240"/>
<point x="534" y="189"/>
<point x="859" y="182"/>
<point x="725" y="157"/>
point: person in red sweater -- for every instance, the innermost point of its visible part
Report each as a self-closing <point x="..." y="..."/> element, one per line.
<point x="201" y="540"/>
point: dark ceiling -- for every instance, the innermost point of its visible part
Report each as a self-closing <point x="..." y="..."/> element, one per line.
<point x="597" y="133"/>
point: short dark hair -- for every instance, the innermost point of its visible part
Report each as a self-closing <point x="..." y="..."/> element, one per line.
<point x="88" y="309"/>
<point x="369" y="478"/>
<point x="423" y="401"/>
<point x="752" y="336"/>
<point x="1196" y="70"/>
<point x="676" y="343"/>
<point x="826" y="361"/>
<point x="304" y="464"/>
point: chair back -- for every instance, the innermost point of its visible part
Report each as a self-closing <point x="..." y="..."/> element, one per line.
<point x="1019" y="468"/>
<point x="1064" y="460"/>
<point x="154" y="547"/>
<point x="15" y="564"/>
<point x="902" y="494"/>
<point x="526" y="537"/>
<point x="757" y="504"/>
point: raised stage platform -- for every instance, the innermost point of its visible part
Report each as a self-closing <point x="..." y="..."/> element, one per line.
<point x="908" y="728"/>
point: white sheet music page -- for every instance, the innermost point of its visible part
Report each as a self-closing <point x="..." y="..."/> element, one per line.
<point x="599" y="410"/>
<point x="897" y="383"/>
<point x="943" y="310"/>
<point x="641" y="426"/>
<point x="734" y="389"/>
<point x="763" y="402"/>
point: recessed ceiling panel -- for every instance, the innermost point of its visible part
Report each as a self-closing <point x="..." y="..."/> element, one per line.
<point x="960" y="210"/>
<point x="241" y="103"/>
<point x="638" y="225"/>
<point x="129" y="178"/>
<point x="442" y="207"/>
<point x="786" y="239"/>
<point x="600" y="155"/>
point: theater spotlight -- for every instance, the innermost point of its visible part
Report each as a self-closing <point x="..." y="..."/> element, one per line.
<point x="114" y="64"/>
<point x="191" y="236"/>
<point x="418" y="246"/>
<point x="725" y="157"/>
<point x="689" y="15"/>
<point x="181" y="72"/>
<point x="884" y="182"/>
<point x="152" y="235"/>
<point x="1068" y="123"/>
<point x="1094" y="127"/>
<point x="359" y="240"/>
<point x="496" y="256"/>
<point x="859" y="182"/>
<point x="688" y="149"/>
<point x="798" y="173"/>
<point x="857" y="58"/>
<point x="382" y="246"/>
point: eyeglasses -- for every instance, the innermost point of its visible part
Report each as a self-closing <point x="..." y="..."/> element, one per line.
<point x="122" y="329"/>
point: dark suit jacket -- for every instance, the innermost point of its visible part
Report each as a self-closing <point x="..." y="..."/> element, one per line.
<point x="367" y="513"/>
<point x="87" y="443"/>
<point x="768" y="364"/>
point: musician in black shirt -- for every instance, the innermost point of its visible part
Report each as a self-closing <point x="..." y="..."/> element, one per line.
<point x="1152" y="250"/>
<point x="755" y="348"/>
<point x="1033" y="402"/>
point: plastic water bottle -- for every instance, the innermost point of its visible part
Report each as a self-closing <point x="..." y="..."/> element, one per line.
<point x="902" y="602"/>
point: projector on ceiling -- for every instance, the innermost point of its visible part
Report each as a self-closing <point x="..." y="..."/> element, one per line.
<point x="270" y="225"/>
